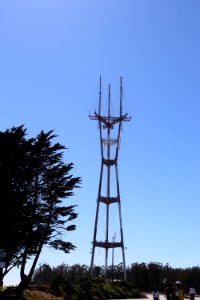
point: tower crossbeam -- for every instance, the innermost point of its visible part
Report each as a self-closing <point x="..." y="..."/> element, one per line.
<point x="109" y="121"/>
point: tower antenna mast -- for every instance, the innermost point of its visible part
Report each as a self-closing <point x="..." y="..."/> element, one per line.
<point x="108" y="125"/>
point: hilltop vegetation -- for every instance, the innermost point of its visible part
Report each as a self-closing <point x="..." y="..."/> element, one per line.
<point x="144" y="276"/>
<point x="84" y="289"/>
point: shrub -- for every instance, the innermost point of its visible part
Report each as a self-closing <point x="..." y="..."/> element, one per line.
<point x="57" y="286"/>
<point x="135" y="293"/>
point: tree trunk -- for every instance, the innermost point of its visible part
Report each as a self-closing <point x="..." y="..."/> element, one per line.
<point x="1" y="277"/>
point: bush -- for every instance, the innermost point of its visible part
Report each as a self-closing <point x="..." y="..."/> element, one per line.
<point x="87" y="288"/>
<point x="135" y="293"/>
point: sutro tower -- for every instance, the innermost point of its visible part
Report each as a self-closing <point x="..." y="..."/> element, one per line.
<point x="109" y="195"/>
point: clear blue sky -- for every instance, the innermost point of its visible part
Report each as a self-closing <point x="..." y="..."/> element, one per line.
<point x="51" y="56"/>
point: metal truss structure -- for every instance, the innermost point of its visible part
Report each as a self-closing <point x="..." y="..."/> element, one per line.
<point x="107" y="194"/>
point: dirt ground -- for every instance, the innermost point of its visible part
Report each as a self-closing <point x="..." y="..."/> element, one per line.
<point x="44" y="295"/>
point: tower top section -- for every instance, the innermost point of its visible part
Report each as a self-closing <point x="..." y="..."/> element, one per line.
<point x="109" y="121"/>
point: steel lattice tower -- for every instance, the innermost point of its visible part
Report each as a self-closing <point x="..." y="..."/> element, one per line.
<point x="108" y="125"/>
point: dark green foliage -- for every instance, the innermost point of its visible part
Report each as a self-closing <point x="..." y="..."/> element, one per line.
<point x="34" y="185"/>
<point x="88" y="289"/>
<point x="123" y="283"/>
<point x="146" y="276"/>
<point x="140" y="277"/>
<point x="70" y="273"/>
<point x="136" y="293"/>
<point x="9" y="293"/>
<point x="45" y="275"/>
<point x="57" y="286"/>
<point x="61" y="287"/>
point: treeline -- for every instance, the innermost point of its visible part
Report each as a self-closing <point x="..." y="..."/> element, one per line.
<point x="144" y="276"/>
<point x="147" y="276"/>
